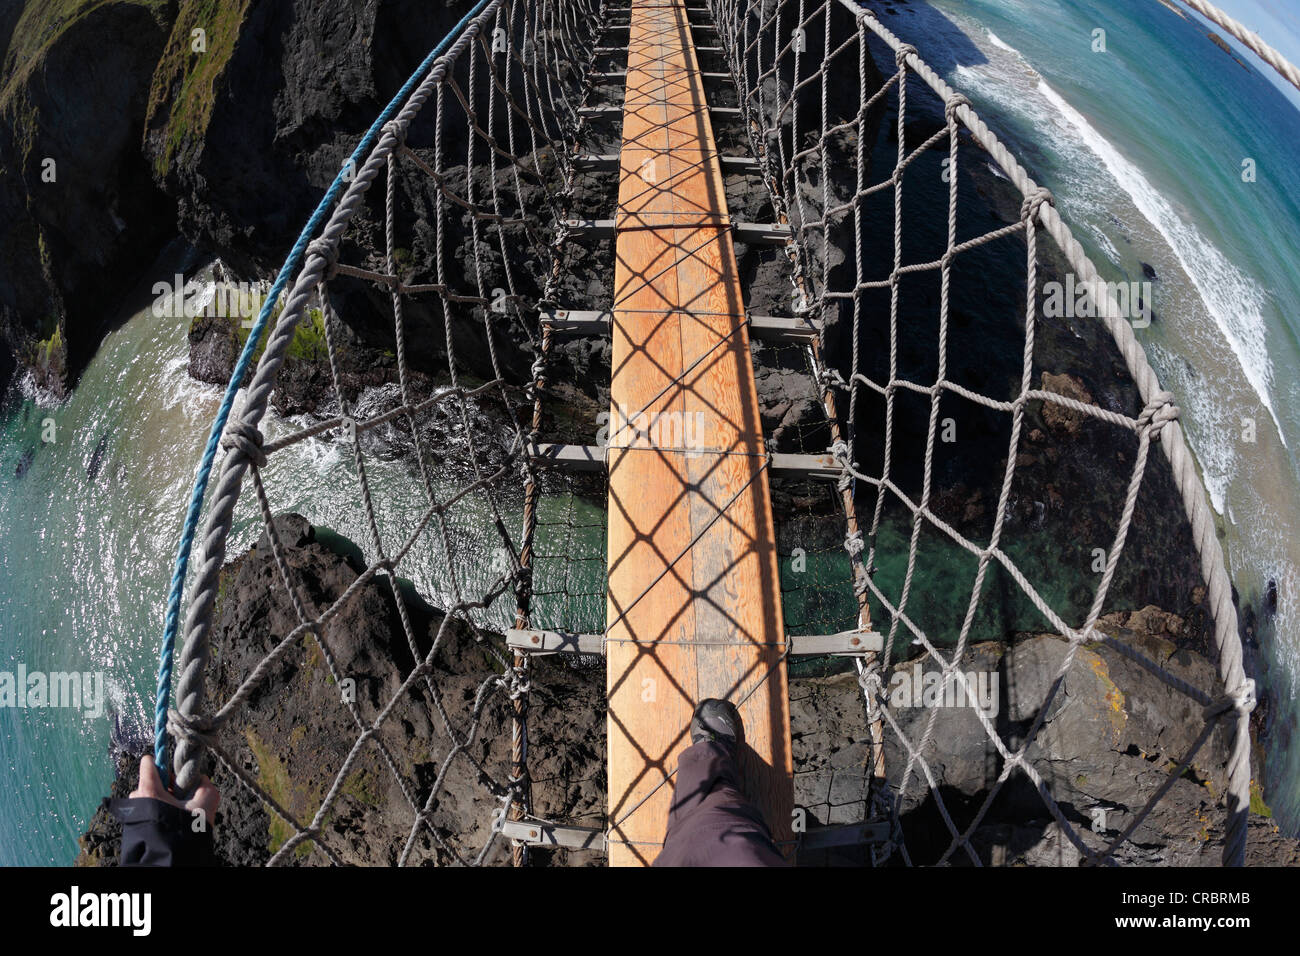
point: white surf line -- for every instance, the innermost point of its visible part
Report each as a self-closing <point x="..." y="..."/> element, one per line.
<point x="1230" y="297"/>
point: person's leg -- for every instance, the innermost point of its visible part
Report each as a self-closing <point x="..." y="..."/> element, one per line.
<point x="711" y="822"/>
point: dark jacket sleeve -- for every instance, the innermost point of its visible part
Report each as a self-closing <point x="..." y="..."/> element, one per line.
<point x="158" y="834"/>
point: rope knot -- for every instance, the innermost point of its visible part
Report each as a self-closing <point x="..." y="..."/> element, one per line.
<point x="870" y="681"/>
<point x="196" y="729"/>
<point x="329" y="251"/>
<point x="861" y="578"/>
<point x="1159" y="412"/>
<point x="955" y="102"/>
<point x="524" y="583"/>
<point x="1242" y="702"/>
<point x="398" y="129"/>
<point x="246" y="438"/>
<point x="518" y="684"/>
<point x="901" y="55"/>
<point x="853" y="543"/>
<point x="1040" y="196"/>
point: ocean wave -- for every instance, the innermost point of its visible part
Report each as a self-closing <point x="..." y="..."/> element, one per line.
<point x="1103" y="242"/>
<point x="1233" y="301"/>
<point x="993" y="38"/>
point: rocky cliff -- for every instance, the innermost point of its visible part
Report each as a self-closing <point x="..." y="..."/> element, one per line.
<point x="80" y="214"/>
<point x="124" y="123"/>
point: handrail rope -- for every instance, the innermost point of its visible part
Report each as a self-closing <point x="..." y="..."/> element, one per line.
<point x="320" y="264"/>
<point x="166" y="653"/>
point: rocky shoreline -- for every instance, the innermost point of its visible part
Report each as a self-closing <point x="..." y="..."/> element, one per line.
<point x="1106" y="745"/>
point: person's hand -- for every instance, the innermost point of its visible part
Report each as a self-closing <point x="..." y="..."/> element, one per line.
<point x="206" y="797"/>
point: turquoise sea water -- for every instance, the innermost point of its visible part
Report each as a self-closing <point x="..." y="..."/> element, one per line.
<point x="1142" y="146"/>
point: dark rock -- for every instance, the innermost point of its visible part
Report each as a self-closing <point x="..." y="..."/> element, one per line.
<point x="294" y="733"/>
<point x="1061" y="420"/>
<point x="1107" y="742"/>
<point x="24" y="462"/>
<point x="1149" y="271"/>
<point x="214" y="349"/>
<point x="97" y="457"/>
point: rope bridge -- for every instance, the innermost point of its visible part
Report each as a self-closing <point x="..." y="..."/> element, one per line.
<point x="498" y="128"/>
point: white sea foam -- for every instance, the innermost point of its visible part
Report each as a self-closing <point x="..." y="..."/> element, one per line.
<point x="1234" y="302"/>
<point x="1103" y="242"/>
<point x="993" y="38"/>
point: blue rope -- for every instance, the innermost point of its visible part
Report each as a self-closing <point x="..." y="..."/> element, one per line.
<point x="167" y="652"/>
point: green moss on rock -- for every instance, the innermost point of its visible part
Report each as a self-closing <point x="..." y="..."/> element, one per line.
<point x="185" y="83"/>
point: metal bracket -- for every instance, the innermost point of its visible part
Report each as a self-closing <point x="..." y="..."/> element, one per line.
<point x="762" y="234"/>
<point x="739" y="164"/>
<point x="844" y="644"/>
<point x="578" y="322"/>
<point x="553" y="642"/>
<point x="597" y="161"/>
<point x="590" y="228"/>
<point x="545" y="834"/>
<point x="850" y="834"/>
<point x="593" y="458"/>
<point x="805" y="466"/>
<point x="571" y="457"/>
<point x="538" y="833"/>
<point x="778" y="328"/>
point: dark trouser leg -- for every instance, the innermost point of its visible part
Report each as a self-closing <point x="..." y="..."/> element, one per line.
<point x="711" y="823"/>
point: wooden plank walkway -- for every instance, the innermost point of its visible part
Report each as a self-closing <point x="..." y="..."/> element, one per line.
<point x="694" y="605"/>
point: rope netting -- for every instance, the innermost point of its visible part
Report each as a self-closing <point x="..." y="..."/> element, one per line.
<point x="487" y="133"/>
<point x="793" y="61"/>
<point x="479" y="174"/>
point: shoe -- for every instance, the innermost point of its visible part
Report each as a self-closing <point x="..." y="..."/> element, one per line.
<point x="717" y="720"/>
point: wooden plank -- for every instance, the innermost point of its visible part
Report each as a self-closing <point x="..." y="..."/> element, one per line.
<point x="694" y="603"/>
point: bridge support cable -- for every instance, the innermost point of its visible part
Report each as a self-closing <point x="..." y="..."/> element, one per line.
<point x="1252" y="40"/>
